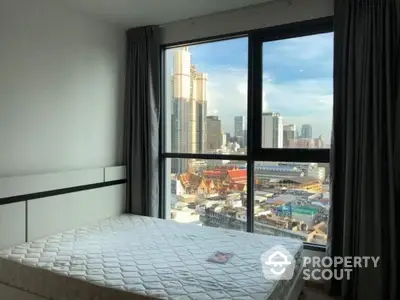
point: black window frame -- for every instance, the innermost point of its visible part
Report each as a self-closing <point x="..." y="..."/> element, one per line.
<point x="255" y="152"/>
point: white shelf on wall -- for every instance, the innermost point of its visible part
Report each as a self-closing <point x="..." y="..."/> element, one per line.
<point x="32" y="184"/>
<point x="114" y="173"/>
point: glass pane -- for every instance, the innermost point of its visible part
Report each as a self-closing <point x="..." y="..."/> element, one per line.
<point x="292" y="199"/>
<point x="298" y="92"/>
<point x="208" y="193"/>
<point x="206" y="98"/>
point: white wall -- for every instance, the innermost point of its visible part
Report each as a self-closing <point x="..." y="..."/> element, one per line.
<point x="33" y="218"/>
<point x="273" y="13"/>
<point x="61" y="109"/>
<point x="58" y="213"/>
<point x="61" y="89"/>
<point x="12" y="224"/>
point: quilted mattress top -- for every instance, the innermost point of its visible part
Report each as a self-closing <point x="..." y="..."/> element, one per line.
<point x="134" y="257"/>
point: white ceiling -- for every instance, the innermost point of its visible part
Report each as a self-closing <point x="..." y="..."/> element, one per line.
<point x="131" y="13"/>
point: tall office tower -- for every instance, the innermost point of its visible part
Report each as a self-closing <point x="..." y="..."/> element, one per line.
<point x="319" y="142"/>
<point x="181" y="118"/>
<point x="289" y="134"/>
<point x="201" y="111"/>
<point x="306" y="131"/>
<point x="189" y="107"/>
<point x="228" y="137"/>
<point x="272" y="130"/>
<point x="214" y="137"/>
<point x="244" y="139"/>
<point x="193" y="110"/>
<point x="240" y="126"/>
<point x="302" y="143"/>
<point x="224" y="139"/>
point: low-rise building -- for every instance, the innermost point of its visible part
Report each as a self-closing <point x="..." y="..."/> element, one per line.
<point x="306" y="183"/>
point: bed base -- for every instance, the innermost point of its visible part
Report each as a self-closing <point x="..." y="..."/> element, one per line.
<point x="297" y="287"/>
<point x="8" y="292"/>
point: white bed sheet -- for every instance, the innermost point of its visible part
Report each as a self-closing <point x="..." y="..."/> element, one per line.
<point x="134" y="257"/>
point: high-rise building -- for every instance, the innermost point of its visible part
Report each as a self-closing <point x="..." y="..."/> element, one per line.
<point x="182" y="110"/>
<point x="214" y="136"/>
<point x="272" y="130"/>
<point x="201" y="111"/>
<point x="306" y="131"/>
<point x="317" y="172"/>
<point x="289" y="134"/>
<point x="189" y="107"/>
<point x="319" y="142"/>
<point x="302" y="143"/>
<point x="240" y="126"/>
<point x="228" y="137"/>
<point x="224" y="139"/>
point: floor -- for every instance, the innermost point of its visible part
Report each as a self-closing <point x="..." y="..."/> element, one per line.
<point x="314" y="291"/>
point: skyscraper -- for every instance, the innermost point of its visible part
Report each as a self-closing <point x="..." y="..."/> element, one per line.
<point x="189" y="107"/>
<point x="228" y="137"/>
<point x="319" y="142"/>
<point x="272" y="130"/>
<point x="240" y="125"/>
<point x="224" y="139"/>
<point x="201" y="111"/>
<point x="306" y="131"/>
<point x="302" y="143"/>
<point x="289" y="134"/>
<point x="182" y="110"/>
<point x="214" y="136"/>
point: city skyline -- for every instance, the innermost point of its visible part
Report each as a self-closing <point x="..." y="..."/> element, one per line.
<point x="290" y="198"/>
<point x="288" y="75"/>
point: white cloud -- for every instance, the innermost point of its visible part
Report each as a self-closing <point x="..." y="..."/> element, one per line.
<point x="304" y="102"/>
<point x="227" y="94"/>
<point x="313" y="47"/>
<point x="299" y="102"/>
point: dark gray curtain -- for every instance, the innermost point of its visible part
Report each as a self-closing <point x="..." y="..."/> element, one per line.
<point x="365" y="154"/>
<point x="141" y="123"/>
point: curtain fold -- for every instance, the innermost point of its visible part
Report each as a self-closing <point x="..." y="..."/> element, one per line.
<point x="365" y="155"/>
<point x="141" y="123"/>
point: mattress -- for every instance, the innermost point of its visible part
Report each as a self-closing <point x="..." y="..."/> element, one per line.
<point x="135" y="257"/>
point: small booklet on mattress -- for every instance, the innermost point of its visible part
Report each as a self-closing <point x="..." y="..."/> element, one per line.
<point x="220" y="257"/>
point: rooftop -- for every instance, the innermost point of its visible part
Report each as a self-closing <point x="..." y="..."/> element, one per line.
<point x="282" y="199"/>
<point x="301" y="180"/>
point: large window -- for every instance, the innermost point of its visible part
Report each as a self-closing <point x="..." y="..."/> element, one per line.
<point x="246" y="131"/>
<point x="297" y="92"/>
<point x="206" y="98"/>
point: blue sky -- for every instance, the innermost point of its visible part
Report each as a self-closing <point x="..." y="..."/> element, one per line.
<point x="297" y="79"/>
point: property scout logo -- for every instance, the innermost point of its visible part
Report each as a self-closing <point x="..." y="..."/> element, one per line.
<point x="279" y="264"/>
